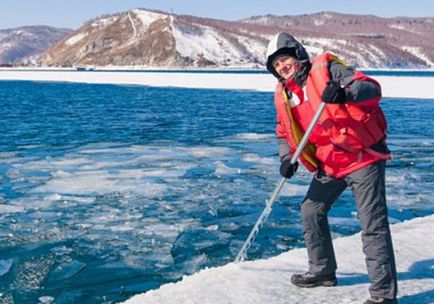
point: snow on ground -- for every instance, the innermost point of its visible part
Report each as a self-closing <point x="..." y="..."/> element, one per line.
<point x="393" y="86"/>
<point x="267" y="281"/>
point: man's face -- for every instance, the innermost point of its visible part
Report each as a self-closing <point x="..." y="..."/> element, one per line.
<point x="286" y="66"/>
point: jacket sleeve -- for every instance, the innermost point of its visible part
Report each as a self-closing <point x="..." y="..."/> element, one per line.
<point x="363" y="91"/>
<point x="284" y="149"/>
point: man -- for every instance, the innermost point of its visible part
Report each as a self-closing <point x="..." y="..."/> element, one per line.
<point x="346" y="148"/>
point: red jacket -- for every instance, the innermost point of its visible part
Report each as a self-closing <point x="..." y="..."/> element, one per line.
<point x="345" y="132"/>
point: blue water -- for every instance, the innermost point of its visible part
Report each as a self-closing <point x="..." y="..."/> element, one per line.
<point x="107" y="191"/>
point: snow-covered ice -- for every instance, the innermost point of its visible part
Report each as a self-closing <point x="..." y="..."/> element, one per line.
<point x="393" y="86"/>
<point x="267" y="281"/>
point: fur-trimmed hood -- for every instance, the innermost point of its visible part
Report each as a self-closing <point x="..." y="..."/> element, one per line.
<point x="284" y="43"/>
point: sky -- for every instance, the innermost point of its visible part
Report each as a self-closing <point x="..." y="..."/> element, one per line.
<point x="72" y="14"/>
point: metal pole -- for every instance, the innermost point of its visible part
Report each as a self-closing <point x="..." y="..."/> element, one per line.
<point x="269" y="203"/>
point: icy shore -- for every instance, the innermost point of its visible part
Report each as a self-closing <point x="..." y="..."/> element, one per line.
<point x="267" y="281"/>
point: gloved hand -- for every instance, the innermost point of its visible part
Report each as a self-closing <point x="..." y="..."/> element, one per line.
<point x="287" y="169"/>
<point x="333" y="93"/>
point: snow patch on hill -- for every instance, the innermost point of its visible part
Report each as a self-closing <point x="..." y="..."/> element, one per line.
<point x="147" y="18"/>
<point x="203" y="41"/>
<point x="76" y="38"/>
<point x="417" y="52"/>
<point x="103" y="22"/>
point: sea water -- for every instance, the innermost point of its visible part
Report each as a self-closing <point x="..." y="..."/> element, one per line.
<point x="107" y="191"/>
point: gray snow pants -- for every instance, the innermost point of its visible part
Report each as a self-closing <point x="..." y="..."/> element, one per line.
<point x="368" y="187"/>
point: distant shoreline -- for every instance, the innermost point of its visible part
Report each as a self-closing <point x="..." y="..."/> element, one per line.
<point x="188" y="70"/>
<point x="393" y="85"/>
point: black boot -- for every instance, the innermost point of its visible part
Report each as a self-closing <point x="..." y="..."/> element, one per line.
<point x="376" y="300"/>
<point x="310" y="280"/>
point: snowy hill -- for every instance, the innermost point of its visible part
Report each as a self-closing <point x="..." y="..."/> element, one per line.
<point x="17" y="43"/>
<point x="267" y="281"/>
<point x="147" y="38"/>
<point x="364" y="40"/>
